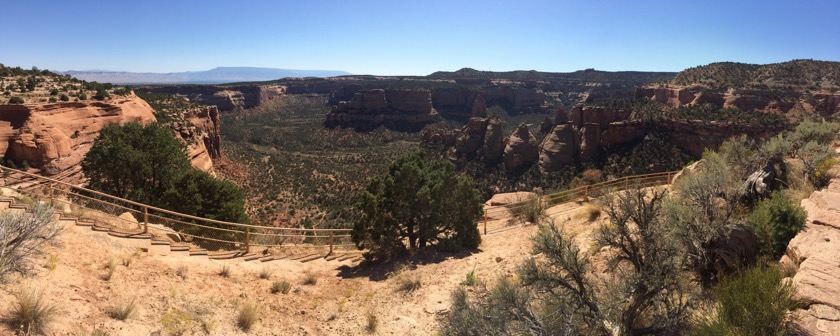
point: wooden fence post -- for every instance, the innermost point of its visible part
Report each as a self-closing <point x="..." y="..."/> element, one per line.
<point x="626" y="182"/>
<point x="586" y="193"/>
<point x="485" y="222"/>
<point x="247" y="240"/>
<point x="51" y="190"/>
<point x="331" y="242"/>
<point x="145" y="219"/>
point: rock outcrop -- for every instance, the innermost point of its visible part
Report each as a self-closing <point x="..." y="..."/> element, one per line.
<point x="402" y="110"/>
<point x="815" y="252"/>
<point x="56" y="137"/>
<point x="202" y="135"/>
<point x="559" y="148"/>
<point x="515" y="98"/>
<point x="494" y="142"/>
<point x="458" y="103"/>
<point x="522" y="149"/>
<point x="224" y="97"/>
<point x="779" y="101"/>
<point x="471" y="138"/>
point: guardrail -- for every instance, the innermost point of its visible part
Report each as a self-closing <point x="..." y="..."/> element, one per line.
<point x="582" y="194"/>
<point x="110" y="211"/>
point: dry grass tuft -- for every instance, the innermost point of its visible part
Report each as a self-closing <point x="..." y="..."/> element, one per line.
<point x="182" y="272"/>
<point x="224" y="271"/>
<point x="112" y="268"/>
<point x="590" y="211"/>
<point x="248" y="316"/>
<point x="32" y="314"/>
<point x="310" y="279"/>
<point x="265" y="273"/>
<point x="123" y="310"/>
<point x="372" y="322"/>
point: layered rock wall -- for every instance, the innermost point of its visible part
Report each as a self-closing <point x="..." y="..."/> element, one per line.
<point x="777" y="101"/>
<point x="402" y="110"/>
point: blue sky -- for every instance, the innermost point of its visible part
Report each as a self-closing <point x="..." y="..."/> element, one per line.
<point x="400" y="37"/>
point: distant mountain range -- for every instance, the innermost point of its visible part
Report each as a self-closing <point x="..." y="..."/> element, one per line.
<point x="213" y="76"/>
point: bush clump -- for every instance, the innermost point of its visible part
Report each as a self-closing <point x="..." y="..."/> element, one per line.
<point x="754" y="302"/>
<point x="776" y="221"/>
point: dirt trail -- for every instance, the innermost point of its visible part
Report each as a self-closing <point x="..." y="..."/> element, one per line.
<point x="207" y="303"/>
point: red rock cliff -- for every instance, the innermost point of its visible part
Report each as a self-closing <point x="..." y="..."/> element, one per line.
<point x="56" y="137"/>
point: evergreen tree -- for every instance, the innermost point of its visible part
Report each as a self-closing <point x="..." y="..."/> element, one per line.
<point x="421" y="201"/>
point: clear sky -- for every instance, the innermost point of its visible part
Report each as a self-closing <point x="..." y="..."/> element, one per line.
<point x="414" y="37"/>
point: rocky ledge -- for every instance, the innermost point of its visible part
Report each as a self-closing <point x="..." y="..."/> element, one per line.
<point x="815" y="253"/>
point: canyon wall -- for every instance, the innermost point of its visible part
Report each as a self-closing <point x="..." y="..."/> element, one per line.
<point x="225" y="98"/>
<point x="778" y="101"/>
<point x="56" y="137"/>
<point x="401" y="110"/>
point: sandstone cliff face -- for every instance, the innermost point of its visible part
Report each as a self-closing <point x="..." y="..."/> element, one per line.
<point x="56" y="137"/>
<point x="559" y="148"/>
<point x="458" y="103"/>
<point x="815" y="252"/>
<point x="225" y="98"/>
<point x="202" y="134"/>
<point x="770" y="101"/>
<point x="522" y="149"/>
<point x="519" y="99"/>
<point x="402" y="110"/>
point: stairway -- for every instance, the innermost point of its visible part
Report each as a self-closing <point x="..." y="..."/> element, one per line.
<point x="161" y="247"/>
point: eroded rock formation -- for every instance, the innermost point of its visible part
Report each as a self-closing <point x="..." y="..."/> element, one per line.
<point x="202" y="135"/>
<point x="559" y="148"/>
<point x="522" y="149"/>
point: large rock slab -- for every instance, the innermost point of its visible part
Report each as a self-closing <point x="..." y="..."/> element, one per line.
<point x="815" y="250"/>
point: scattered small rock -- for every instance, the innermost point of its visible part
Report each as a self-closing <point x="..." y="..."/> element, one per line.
<point x="499" y="259"/>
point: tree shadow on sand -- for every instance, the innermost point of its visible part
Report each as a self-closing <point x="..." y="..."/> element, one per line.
<point x="379" y="271"/>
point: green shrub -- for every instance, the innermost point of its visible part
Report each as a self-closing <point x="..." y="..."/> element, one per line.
<point x="63" y="97"/>
<point x="776" y="221"/>
<point x="280" y="287"/>
<point x="754" y="302"/>
<point x="16" y="100"/>
<point x="52" y="100"/>
<point x="82" y="96"/>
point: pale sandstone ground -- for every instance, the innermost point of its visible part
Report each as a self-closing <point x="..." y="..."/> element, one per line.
<point x="338" y="304"/>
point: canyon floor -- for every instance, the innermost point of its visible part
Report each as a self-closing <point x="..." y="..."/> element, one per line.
<point x="205" y="303"/>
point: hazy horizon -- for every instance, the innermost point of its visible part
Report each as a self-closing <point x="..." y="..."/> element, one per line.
<point x="408" y="38"/>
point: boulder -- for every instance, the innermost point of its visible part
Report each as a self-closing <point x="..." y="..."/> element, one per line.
<point x="522" y="150"/>
<point x="558" y="149"/>
<point x="509" y="198"/>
